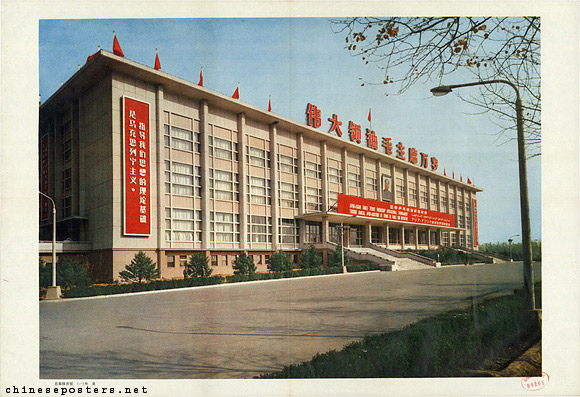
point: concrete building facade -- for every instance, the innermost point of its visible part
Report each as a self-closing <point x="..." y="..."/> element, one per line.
<point x="224" y="177"/>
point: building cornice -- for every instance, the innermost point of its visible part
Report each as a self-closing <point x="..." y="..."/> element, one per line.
<point x="104" y="62"/>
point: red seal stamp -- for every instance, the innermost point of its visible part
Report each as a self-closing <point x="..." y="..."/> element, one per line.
<point x="535" y="383"/>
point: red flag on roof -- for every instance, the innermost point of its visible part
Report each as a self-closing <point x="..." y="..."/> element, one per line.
<point x="369" y="114"/>
<point x="270" y="103"/>
<point x="200" y="78"/>
<point x="469" y="181"/>
<point x="116" y="47"/>
<point x="461" y="178"/>
<point x="93" y="55"/>
<point x="157" y="63"/>
<point x="444" y="173"/>
<point x="453" y="174"/>
<point x="236" y="93"/>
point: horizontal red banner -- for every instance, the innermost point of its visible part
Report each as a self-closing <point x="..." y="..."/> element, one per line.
<point x="353" y="205"/>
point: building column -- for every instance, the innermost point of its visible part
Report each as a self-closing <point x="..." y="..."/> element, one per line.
<point x="324" y="180"/>
<point x="344" y="158"/>
<point x="416" y="233"/>
<point x="274" y="185"/>
<point x="402" y="236"/>
<point x="325" y="230"/>
<point x="205" y="168"/>
<point x="160" y="157"/>
<point x="361" y="162"/>
<point x="394" y="197"/>
<point x="406" y="182"/>
<point x="439" y="235"/>
<point x="367" y="234"/>
<point x="428" y="179"/>
<point x="302" y="232"/>
<point x="428" y="238"/>
<point x="418" y="184"/>
<point x="379" y="181"/>
<point x="448" y="207"/>
<point x="438" y="187"/>
<point x="457" y="239"/>
<point x="386" y="238"/>
<point x="242" y="173"/>
<point x="300" y="147"/>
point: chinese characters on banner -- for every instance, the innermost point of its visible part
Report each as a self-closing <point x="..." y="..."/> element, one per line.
<point x="313" y="119"/>
<point x="136" y="163"/>
<point x="475" y="237"/>
<point x="45" y="211"/>
<point x="353" y="205"/>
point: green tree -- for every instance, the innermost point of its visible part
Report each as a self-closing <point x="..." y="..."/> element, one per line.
<point x="141" y="268"/>
<point x="335" y="258"/>
<point x="280" y="262"/>
<point x="244" y="264"/>
<point x="197" y="266"/>
<point x="311" y="259"/>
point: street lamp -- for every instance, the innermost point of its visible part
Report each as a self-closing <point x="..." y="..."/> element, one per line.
<point x="510" y="243"/>
<point x="53" y="291"/>
<point x="524" y="201"/>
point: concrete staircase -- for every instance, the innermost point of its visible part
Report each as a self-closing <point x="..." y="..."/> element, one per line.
<point x="402" y="262"/>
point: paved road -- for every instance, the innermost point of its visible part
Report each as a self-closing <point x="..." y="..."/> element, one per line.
<point x="240" y="330"/>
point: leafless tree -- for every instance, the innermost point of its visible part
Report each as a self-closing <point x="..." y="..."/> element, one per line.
<point x="409" y="50"/>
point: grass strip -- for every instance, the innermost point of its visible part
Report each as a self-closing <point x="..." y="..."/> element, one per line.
<point x="441" y="346"/>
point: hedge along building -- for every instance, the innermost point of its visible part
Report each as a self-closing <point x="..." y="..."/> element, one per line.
<point x="137" y="159"/>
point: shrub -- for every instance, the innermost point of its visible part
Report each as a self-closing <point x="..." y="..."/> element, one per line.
<point x="197" y="266"/>
<point x="69" y="272"/>
<point x="141" y="268"/>
<point x="311" y="259"/>
<point x="335" y="258"/>
<point x="244" y="264"/>
<point x="280" y="262"/>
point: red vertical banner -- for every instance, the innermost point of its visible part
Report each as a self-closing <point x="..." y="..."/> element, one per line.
<point x="44" y="159"/>
<point x="136" y="168"/>
<point x="475" y="237"/>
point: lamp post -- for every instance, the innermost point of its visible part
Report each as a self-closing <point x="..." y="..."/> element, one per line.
<point x="524" y="201"/>
<point x="342" y="242"/>
<point x="510" y="243"/>
<point x="53" y="291"/>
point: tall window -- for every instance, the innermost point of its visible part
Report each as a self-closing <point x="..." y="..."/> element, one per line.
<point x="312" y="170"/>
<point x="424" y="196"/>
<point x="287" y="164"/>
<point x="400" y="188"/>
<point x="288" y="195"/>
<point x="225" y="227"/>
<point x="260" y="190"/>
<point x="223" y="149"/>
<point x="313" y="199"/>
<point x="66" y="180"/>
<point x="258" y="157"/>
<point x="412" y="190"/>
<point x="224" y="185"/>
<point x="260" y="228"/>
<point x="288" y="231"/>
<point x="372" y="184"/>
<point x="334" y="175"/>
<point x="183" y="225"/>
<point x="66" y="207"/>
<point x="313" y="232"/>
<point x="434" y="198"/>
<point x="354" y="179"/>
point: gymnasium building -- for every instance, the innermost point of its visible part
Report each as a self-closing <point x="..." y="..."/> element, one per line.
<point x="139" y="160"/>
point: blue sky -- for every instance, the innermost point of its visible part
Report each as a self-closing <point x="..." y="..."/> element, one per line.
<point x="300" y="60"/>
